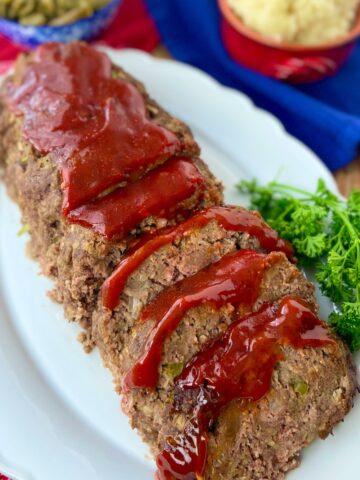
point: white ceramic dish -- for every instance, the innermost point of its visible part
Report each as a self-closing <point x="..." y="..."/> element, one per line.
<point x="59" y="416"/>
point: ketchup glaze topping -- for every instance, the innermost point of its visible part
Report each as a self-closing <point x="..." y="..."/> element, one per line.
<point x="238" y="365"/>
<point x="158" y="193"/>
<point x="230" y="218"/>
<point x="233" y="279"/>
<point x="96" y="126"/>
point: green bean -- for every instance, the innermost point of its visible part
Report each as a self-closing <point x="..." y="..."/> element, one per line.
<point x="34" y="19"/>
<point x="13" y="11"/>
<point x="47" y="7"/>
<point x="27" y="8"/>
<point x="70" y="16"/>
<point x="97" y="4"/>
<point x="66" y="5"/>
<point x="2" y="9"/>
<point x="4" y="4"/>
<point x="87" y="6"/>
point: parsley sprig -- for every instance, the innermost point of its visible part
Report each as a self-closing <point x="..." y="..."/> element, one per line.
<point x="325" y="231"/>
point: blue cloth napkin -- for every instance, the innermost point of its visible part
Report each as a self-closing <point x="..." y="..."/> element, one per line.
<point x="325" y="115"/>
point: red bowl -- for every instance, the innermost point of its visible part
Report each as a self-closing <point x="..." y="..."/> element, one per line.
<point x="285" y="61"/>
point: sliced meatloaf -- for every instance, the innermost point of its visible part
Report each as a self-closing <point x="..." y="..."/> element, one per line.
<point x="250" y="442"/>
<point x="74" y="257"/>
<point x="266" y="438"/>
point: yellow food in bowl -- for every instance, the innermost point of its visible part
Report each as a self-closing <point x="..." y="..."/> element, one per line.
<point x="49" y="12"/>
<point x="307" y="22"/>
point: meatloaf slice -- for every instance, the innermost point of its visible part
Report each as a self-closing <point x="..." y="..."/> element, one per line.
<point x="250" y="442"/>
<point x="188" y="145"/>
<point x="264" y="440"/>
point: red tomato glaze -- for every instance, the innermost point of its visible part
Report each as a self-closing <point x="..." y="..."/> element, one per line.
<point x="239" y="365"/>
<point x="234" y="279"/>
<point x="229" y="217"/>
<point x="96" y="126"/>
<point x="158" y="193"/>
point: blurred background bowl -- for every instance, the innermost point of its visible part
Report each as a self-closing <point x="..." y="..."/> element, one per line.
<point x="84" y="29"/>
<point x="294" y="63"/>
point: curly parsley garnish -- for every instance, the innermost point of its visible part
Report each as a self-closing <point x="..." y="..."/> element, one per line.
<point x="325" y="232"/>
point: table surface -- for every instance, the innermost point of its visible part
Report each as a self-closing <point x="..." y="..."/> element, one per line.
<point x="347" y="178"/>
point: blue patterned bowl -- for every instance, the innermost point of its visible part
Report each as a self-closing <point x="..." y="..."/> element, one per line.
<point x="84" y="29"/>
